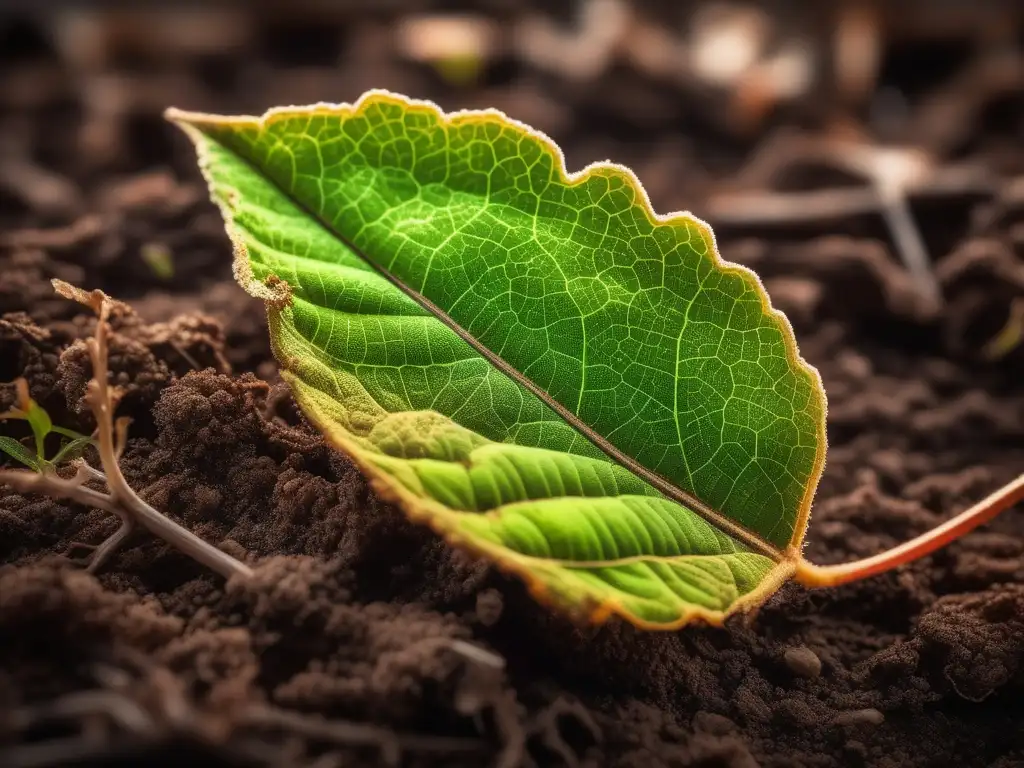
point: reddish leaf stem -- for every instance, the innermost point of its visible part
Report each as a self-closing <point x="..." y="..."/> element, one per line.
<point x="812" y="575"/>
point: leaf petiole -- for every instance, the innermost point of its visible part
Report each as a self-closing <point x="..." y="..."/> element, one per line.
<point x="811" y="575"/>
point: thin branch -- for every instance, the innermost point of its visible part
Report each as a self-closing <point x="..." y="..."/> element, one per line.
<point x="893" y="175"/>
<point x="350" y="734"/>
<point x="751" y="209"/>
<point x="110" y="545"/>
<point x="50" y="484"/>
<point x="116" y="707"/>
<point x="907" y="237"/>
<point x="85" y="471"/>
<point x="766" y="208"/>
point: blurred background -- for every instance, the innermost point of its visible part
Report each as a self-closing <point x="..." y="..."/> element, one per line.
<point x="865" y="157"/>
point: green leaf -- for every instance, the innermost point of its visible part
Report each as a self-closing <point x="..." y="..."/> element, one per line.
<point x="19" y="453"/>
<point x="530" y="361"/>
<point x="72" y="449"/>
<point x="39" y="420"/>
<point x="70" y="433"/>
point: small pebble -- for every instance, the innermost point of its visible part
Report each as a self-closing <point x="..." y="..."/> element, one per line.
<point x="802" y="661"/>
<point x="855" y="366"/>
<point x="869" y="716"/>
<point x="489" y="606"/>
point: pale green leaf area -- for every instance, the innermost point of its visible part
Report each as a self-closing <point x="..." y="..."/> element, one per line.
<point x="533" y="363"/>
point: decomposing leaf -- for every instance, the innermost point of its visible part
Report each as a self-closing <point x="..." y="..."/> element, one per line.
<point x="530" y="361"/>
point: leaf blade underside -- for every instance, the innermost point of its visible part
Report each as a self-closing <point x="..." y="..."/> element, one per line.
<point x="535" y="314"/>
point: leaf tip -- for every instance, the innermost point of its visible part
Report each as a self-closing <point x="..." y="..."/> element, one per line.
<point x="184" y="117"/>
<point x="94" y="299"/>
<point x="175" y="115"/>
<point x="188" y="122"/>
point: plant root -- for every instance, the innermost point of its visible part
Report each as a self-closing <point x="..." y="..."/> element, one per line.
<point x="120" y="500"/>
<point x="117" y="712"/>
<point x="344" y="733"/>
<point x="110" y="545"/>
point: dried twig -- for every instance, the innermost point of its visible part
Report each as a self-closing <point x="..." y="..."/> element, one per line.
<point x="121" y="500"/>
<point x="893" y="175"/>
<point x="351" y="734"/>
<point x="117" y="708"/>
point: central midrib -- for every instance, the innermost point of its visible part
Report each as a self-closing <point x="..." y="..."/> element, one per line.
<point x="669" y="489"/>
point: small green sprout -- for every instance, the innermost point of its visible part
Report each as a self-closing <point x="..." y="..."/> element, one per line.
<point x="159" y="258"/>
<point x="72" y="446"/>
<point x="111" y="434"/>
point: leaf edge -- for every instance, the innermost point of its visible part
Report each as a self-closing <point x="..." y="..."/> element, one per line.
<point x="432" y="514"/>
<point x="277" y="295"/>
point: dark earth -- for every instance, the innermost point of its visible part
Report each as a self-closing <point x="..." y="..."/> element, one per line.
<point x="364" y="640"/>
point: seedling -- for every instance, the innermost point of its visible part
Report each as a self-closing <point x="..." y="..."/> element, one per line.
<point x="533" y="362"/>
<point x="110" y="437"/>
<point x="42" y="426"/>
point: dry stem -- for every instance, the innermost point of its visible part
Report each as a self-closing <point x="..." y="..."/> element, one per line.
<point x="121" y="500"/>
<point x="892" y="176"/>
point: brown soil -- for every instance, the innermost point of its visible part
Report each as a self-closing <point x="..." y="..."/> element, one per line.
<point x="359" y="616"/>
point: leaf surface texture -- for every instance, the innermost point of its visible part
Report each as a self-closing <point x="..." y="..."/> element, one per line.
<point x="532" y="362"/>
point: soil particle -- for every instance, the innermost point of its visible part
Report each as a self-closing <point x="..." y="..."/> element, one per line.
<point x="26" y="284"/>
<point x="973" y="642"/>
<point x="56" y="620"/>
<point x="489" y="605"/>
<point x="30" y="351"/>
<point x="860" y="718"/>
<point x="803" y="662"/>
